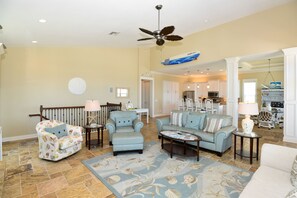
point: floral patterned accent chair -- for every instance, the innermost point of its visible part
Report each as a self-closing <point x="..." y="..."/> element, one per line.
<point x="58" y="140"/>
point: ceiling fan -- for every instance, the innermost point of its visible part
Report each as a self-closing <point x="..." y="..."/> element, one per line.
<point x="161" y="35"/>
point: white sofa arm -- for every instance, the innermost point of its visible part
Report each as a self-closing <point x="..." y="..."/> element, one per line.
<point x="278" y="157"/>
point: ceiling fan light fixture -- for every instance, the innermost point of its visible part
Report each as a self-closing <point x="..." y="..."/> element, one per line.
<point x="160" y="42"/>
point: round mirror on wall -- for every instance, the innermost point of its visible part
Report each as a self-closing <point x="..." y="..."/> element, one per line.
<point x="77" y="86"/>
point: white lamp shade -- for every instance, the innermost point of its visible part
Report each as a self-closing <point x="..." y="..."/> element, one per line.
<point x="92" y="105"/>
<point x="248" y="108"/>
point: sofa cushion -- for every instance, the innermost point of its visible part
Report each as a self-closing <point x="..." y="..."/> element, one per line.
<point x="59" y="130"/>
<point x="202" y="118"/>
<point x="176" y="119"/>
<point x="227" y="120"/>
<point x="123" y="121"/>
<point x="213" y="124"/>
<point x="293" y="177"/>
<point x="185" y="115"/>
<point x="268" y="182"/>
<point x="193" y="122"/>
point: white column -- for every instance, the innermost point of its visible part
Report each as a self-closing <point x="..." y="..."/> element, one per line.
<point x="232" y="88"/>
<point x="290" y="91"/>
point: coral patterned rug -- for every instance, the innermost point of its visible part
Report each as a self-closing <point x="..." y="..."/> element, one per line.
<point x="155" y="174"/>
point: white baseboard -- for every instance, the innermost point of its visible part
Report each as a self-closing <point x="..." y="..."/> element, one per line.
<point x="159" y="115"/>
<point x="20" y="137"/>
<point x="288" y="139"/>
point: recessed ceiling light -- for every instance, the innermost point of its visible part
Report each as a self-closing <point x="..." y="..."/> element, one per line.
<point x="205" y="20"/>
<point x="42" y="20"/>
<point x="34" y="41"/>
<point x="221" y="70"/>
<point x="201" y="72"/>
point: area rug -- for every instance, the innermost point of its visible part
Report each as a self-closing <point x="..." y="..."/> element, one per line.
<point x="155" y="174"/>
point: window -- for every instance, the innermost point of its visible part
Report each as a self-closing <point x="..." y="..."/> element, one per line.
<point x="249" y="90"/>
<point x="122" y="92"/>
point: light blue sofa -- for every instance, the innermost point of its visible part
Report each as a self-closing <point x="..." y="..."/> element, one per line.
<point x="124" y="131"/>
<point x="219" y="141"/>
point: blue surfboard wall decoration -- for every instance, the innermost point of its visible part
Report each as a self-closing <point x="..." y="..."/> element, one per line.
<point x="182" y="58"/>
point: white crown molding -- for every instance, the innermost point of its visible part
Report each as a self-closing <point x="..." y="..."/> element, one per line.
<point x="20" y="137"/>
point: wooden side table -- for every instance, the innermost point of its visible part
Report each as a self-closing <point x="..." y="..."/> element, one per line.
<point x="99" y="140"/>
<point x="242" y="153"/>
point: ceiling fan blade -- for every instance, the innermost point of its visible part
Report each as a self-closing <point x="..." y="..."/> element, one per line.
<point x="144" y="39"/>
<point x="167" y="30"/>
<point x="4" y="46"/>
<point x="146" y="31"/>
<point x="173" y="38"/>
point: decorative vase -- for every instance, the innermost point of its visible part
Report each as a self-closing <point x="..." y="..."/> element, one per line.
<point x="247" y="124"/>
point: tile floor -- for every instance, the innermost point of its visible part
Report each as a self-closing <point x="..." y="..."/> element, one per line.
<point x="23" y="174"/>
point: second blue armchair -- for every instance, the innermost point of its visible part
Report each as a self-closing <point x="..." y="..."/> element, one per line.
<point x="123" y="121"/>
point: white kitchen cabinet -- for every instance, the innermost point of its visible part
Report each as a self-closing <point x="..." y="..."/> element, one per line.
<point x="213" y="85"/>
<point x="223" y="89"/>
<point x="201" y="89"/>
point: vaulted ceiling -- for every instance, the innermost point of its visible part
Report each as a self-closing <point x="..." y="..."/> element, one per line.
<point x="90" y="22"/>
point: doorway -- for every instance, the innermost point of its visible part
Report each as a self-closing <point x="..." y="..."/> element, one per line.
<point x="146" y="99"/>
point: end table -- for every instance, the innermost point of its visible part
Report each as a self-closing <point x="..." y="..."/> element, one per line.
<point x="99" y="140"/>
<point x="251" y="154"/>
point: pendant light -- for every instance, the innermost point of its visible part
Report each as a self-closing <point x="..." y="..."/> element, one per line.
<point x="268" y="74"/>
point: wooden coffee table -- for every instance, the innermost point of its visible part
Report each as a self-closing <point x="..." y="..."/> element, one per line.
<point x="178" y="143"/>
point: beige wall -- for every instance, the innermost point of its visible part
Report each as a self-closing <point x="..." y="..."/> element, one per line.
<point x="34" y="76"/>
<point x="266" y="31"/>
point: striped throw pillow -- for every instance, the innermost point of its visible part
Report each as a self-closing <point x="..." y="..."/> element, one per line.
<point x="176" y="119"/>
<point x="293" y="176"/>
<point x="213" y="125"/>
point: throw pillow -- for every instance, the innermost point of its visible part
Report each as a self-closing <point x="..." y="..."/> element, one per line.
<point x="123" y="121"/>
<point x="176" y="119"/>
<point x="59" y="131"/>
<point x="293" y="176"/>
<point x="193" y="122"/>
<point x="292" y="193"/>
<point x="213" y="125"/>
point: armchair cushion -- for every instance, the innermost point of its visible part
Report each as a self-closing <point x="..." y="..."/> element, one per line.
<point x="68" y="141"/>
<point x="123" y="121"/>
<point x="125" y="129"/>
<point x="59" y="130"/>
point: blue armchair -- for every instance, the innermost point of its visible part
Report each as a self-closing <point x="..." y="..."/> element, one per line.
<point x="122" y="121"/>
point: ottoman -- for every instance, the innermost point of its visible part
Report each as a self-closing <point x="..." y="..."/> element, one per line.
<point x="127" y="141"/>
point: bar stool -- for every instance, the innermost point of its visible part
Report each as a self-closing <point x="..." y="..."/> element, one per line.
<point x="209" y="106"/>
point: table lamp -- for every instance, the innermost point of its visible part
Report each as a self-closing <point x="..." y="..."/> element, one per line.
<point x="248" y="109"/>
<point x="92" y="106"/>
